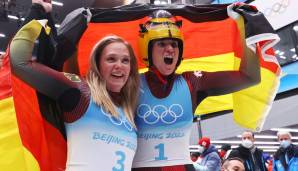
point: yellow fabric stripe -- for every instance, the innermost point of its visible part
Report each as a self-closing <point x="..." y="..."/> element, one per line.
<point x="250" y="106"/>
<point x="259" y="98"/>
<point x="13" y="154"/>
<point x="221" y="62"/>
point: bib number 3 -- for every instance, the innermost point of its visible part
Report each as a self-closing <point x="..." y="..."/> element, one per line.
<point x="120" y="161"/>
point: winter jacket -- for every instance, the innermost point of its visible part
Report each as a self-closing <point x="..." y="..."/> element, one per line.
<point x="210" y="160"/>
<point x="252" y="161"/>
<point x="286" y="163"/>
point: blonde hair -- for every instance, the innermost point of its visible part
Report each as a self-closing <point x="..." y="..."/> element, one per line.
<point x="99" y="93"/>
<point x="282" y="132"/>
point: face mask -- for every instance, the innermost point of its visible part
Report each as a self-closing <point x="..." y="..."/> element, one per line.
<point x="247" y="143"/>
<point x="201" y="149"/>
<point x="285" y="143"/>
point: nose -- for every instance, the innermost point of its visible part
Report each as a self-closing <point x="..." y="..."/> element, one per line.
<point x="169" y="47"/>
<point x="118" y="64"/>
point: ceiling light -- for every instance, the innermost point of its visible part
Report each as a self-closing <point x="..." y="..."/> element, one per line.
<point x="13" y="17"/>
<point x="294" y="56"/>
<point x="57" y="3"/>
<point x="281" y="53"/>
<point x="282" y="57"/>
<point x="157" y="2"/>
<point x="262" y="136"/>
<point x="57" y="25"/>
<point x="277" y="52"/>
<point x="269" y="150"/>
<point x="1" y="52"/>
<point x="295" y="28"/>
<point x="239" y="142"/>
<point x="284" y="129"/>
<point x="2" y="35"/>
<point x="267" y="147"/>
<point x="293" y="49"/>
<point x="219" y="146"/>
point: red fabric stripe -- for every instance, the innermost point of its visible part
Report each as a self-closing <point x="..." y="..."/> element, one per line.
<point x="5" y="80"/>
<point x="43" y="140"/>
<point x="265" y="64"/>
<point x="201" y="39"/>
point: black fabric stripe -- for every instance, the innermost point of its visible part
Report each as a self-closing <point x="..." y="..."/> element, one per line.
<point x="196" y="13"/>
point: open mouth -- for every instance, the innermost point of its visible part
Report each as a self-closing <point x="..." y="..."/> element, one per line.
<point x="168" y="60"/>
<point x="116" y="75"/>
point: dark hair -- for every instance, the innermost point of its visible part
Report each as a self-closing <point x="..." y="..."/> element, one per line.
<point x="234" y="158"/>
<point x="252" y="133"/>
<point x="226" y="147"/>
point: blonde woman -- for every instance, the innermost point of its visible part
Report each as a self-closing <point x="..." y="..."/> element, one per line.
<point x="98" y="112"/>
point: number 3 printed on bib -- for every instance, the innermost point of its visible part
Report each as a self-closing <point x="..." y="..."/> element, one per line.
<point x="120" y="162"/>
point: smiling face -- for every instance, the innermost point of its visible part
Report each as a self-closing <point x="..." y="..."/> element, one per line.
<point x="165" y="54"/>
<point x="114" y="66"/>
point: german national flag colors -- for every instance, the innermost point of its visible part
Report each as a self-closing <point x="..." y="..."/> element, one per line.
<point x="31" y="135"/>
<point x="212" y="42"/>
<point x="30" y="138"/>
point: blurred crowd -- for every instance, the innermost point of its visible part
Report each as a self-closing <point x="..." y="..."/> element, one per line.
<point x="247" y="156"/>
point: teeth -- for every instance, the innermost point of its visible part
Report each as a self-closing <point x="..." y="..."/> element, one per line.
<point x="117" y="75"/>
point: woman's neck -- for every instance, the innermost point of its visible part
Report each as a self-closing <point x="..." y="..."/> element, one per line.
<point x="116" y="97"/>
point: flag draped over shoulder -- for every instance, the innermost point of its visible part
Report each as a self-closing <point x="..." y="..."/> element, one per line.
<point x="211" y="43"/>
<point x="30" y="137"/>
<point x="14" y="156"/>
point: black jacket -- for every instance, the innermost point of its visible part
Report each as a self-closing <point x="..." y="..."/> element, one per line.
<point x="250" y="160"/>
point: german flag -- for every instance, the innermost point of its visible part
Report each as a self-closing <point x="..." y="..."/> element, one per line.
<point x="31" y="133"/>
<point x="32" y="136"/>
<point x="212" y="42"/>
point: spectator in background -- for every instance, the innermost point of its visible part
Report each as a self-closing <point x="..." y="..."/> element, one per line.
<point x="209" y="159"/>
<point x="233" y="164"/>
<point x="249" y="153"/>
<point x="224" y="151"/>
<point x="194" y="156"/>
<point x="286" y="157"/>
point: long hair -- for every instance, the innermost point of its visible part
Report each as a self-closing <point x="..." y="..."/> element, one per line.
<point x="130" y="91"/>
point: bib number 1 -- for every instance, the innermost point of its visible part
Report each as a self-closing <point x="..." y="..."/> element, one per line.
<point x="161" y="152"/>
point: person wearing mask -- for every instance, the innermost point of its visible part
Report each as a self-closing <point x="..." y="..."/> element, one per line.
<point x="249" y="153"/>
<point x="168" y="100"/>
<point x="98" y="111"/>
<point x="209" y="159"/>
<point x="233" y="164"/>
<point x="286" y="157"/>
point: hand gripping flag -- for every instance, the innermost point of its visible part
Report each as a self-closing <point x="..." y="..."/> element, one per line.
<point x="212" y="42"/>
<point x="32" y="137"/>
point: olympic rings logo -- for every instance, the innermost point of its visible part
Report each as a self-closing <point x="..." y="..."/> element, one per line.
<point x="159" y="113"/>
<point x="277" y="8"/>
<point x="118" y="121"/>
